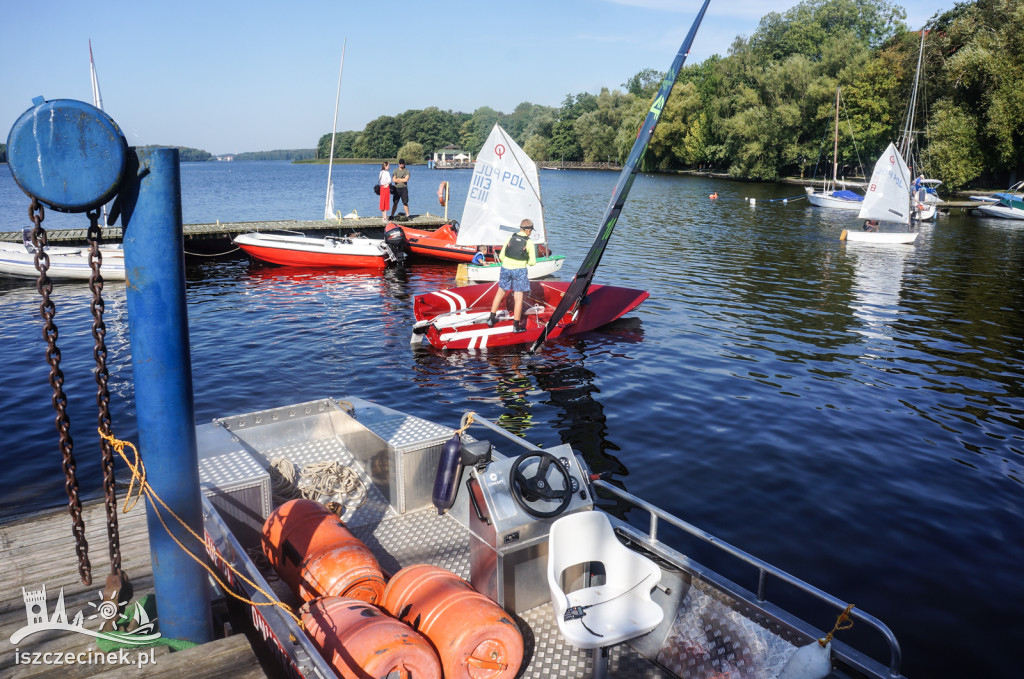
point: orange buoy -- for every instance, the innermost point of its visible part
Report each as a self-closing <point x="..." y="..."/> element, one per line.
<point x="360" y="641"/>
<point x="297" y="538"/>
<point x="714" y="195"/>
<point x="473" y="636"/>
<point x="347" y="569"/>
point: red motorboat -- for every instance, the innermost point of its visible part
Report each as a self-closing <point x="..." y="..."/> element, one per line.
<point x="439" y="244"/>
<point x="457" y="318"/>
<point x="333" y="251"/>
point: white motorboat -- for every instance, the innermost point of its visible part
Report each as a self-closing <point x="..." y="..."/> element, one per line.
<point x="18" y="260"/>
<point x="1005" y="205"/>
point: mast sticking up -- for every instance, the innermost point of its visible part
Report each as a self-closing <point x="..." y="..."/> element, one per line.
<point x="97" y="98"/>
<point x="329" y="205"/>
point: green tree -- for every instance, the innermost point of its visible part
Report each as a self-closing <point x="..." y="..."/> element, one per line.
<point x="645" y="83"/>
<point x="596" y="130"/>
<point x="380" y="139"/>
<point x="807" y="27"/>
<point x="3" y="153"/>
<point x="411" y="151"/>
<point x="954" y="152"/>
<point x="474" y="131"/>
<point x="432" y="128"/>
<point x="537" y="147"/>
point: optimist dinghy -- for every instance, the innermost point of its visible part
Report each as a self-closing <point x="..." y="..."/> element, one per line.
<point x="457" y="319"/>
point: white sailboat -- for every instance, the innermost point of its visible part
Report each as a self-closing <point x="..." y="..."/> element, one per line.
<point x="830" y="196"/>
<point x="504" y="190"/>
<point x="329" y="205"/>
<point x="923" y="209"/>
<point x="887" y="200"/>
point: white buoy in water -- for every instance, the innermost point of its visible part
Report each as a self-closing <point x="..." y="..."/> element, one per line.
<point x="785" y="201"/>
<point x="753" y="201"/>
<point x="812" y="661"/>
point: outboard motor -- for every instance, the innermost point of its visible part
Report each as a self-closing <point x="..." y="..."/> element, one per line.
<point x="396" y="241"/>
<point x="454" y="457"/>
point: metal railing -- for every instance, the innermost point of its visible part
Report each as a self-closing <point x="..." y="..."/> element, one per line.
<point x="764" y="569"/>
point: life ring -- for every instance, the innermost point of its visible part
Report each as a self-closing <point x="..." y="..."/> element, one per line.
<point x="442" y="193"/>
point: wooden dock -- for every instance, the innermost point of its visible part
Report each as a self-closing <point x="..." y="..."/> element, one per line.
<point x="39" y="551"/>
<point x="213" y="239"/>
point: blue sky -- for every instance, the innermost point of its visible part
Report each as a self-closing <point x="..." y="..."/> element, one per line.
<point x="229" y="76"/>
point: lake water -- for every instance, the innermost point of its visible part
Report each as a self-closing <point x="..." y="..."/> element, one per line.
<point x="850" y="413"/>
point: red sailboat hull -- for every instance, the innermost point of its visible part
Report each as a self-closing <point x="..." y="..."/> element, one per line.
<point x="457" y="318"/>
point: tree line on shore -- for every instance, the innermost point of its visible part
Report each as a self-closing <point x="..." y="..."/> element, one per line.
<point x="766" y="110"/>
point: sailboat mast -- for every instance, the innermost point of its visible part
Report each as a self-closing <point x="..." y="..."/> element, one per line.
<point x="908" y="131"/>
<point x="835" y="148"/>
<point x="577" y="289"/>
<point x="97" y="98"/>
<point x="328" y="209"/>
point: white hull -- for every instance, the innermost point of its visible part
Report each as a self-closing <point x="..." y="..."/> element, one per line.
<point x="883" y="237"/>
<point x="1001" y="211"/>
<point x="827" y="200"/>
<point x="545" y="266"/>
<point x="925" y="213"/>
<point x="66" y="263"/>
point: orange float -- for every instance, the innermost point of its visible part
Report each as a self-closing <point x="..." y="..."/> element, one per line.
<point x="473" y="636"/>
<point x="347" y="569"/>
<point x="360" y="641"/>
<point x="316" y="555"/>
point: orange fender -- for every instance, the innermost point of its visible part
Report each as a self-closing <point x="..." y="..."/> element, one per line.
<point x="359" y="641"/>
<point x="474" y="637"/>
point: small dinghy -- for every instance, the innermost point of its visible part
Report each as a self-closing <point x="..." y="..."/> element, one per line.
<point x="349" y="252"/>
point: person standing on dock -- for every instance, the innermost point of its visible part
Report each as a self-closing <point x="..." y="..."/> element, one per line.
<point x="384" y="180"/>
<point x="401" y="178"/>
<point x="518" y="253"/>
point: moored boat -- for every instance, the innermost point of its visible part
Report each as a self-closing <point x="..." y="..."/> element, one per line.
<point x="333" y="251"/>
<point x="1004" y="205"/>
<point x="495" y="515"/>
<point x="66" y="263"/>
<point x="831" y="196"/>
<point x="457" y="318"/>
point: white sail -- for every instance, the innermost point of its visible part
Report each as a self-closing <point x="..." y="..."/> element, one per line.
<point x="888" y="195"/>
<point x="329" y="203"/>
<point x="504" y="190"/>
<point x="97" y="98"/>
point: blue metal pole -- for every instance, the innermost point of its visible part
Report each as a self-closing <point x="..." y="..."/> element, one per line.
<point x="158" y="328"/>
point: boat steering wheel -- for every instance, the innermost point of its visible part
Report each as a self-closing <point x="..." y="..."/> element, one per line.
<point x="537" y="488"/>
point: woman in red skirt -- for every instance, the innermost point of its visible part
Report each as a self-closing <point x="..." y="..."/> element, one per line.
<point x="384" y="179"/>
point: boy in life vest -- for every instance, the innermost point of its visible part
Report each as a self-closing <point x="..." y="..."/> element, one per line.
<point x="516" y="255"/>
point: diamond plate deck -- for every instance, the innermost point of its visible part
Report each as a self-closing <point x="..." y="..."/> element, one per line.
<point x="425" y="537"/>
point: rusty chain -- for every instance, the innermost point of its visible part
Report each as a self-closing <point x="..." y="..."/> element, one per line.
<point x="117" y="581"/>
<point x="47" y="310"/>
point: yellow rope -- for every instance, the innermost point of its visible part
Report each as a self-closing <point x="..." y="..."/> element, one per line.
<point x="469" y="421"/>
<point x="138" y="470"/>
<point x="844" y="621"/>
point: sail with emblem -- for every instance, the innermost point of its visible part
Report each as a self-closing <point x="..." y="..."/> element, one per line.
<point x="888" y="195"/>
<point x="504" y="190"/>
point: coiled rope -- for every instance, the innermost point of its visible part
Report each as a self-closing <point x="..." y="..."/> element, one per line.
<point x="319" y="481"/>
<point x="138" y="470"/>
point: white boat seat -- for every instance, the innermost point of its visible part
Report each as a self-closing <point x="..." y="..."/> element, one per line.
<point x="619" y="609"/>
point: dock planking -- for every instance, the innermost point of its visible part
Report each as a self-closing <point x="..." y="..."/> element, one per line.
<point x="39" y="550"/>
<point x="206" y="239"/>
